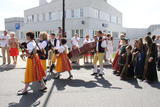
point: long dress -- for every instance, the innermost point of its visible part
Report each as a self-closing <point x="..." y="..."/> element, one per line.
<point x="150" y="72"/>
<point x="115" y="65"/>
<point x="122" y="59"/>
<point x="109" y="51"/>
<point x="128" y="69"/>
<point x="63" y="64"/>
<point x="34" y="68"/>
<point x="139" y="65"/>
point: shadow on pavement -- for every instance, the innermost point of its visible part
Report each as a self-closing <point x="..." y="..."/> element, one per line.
<point x="7" y="67"/>
<point x="30" y="99"/>
<point x="155" y="85"/>
<point x="134" y="82"/>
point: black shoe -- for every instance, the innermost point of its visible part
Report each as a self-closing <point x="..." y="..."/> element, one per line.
<point x="118" y="74"/>
<point x="70" y="77"/>
<point x="45" y="81"/>
<point x="51" y="68"/>
<point x="57" y="77"/>
<point x="44" y="89"/>
<point x="114" y="72"/>
<point x="94" y="74"/>
<point x="101" y="75"/>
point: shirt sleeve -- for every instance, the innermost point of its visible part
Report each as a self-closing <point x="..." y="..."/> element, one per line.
<point x="42" y="45"/>
<point x="61" y="49"/>
<point x="30" y="47"/>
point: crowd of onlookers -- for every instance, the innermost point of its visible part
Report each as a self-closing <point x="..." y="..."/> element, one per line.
<point x="141" y="60"/>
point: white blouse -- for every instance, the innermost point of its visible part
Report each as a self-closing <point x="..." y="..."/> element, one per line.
<point x="42" y="45"/>
<point x="31" y="46"/>
<point x="62" y="48"/>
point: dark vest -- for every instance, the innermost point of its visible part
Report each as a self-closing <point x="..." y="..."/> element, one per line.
<point x="100" y="49"/>
<point x="50" y="45"/>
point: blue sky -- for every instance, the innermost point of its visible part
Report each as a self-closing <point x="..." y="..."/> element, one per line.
<point x="136" y="13"/>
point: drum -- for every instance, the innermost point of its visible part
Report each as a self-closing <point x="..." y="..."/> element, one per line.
<point x="76" y="54"/>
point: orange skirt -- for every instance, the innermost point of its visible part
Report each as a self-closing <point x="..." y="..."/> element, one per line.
<point x="63" y="64"/>
<point x="34" y="70"/>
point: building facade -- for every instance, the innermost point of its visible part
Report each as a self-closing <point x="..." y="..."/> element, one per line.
<point x="83" y="17"/>
<point x="14" y="24"/>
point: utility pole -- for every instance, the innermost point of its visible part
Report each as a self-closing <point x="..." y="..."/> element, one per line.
<point x="63" y="19"/>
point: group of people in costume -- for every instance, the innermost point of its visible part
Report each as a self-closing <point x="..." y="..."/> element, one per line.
<point x="138" y="61"/>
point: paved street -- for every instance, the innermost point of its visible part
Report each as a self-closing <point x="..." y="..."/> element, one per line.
<point x="83" y="91"/>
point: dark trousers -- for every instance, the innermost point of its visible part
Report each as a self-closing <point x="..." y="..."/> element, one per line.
<point x="158" y="64"/>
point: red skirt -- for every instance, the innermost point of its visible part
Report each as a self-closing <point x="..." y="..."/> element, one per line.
<point x="115" y="65"/>
<point x="14" y="52"/>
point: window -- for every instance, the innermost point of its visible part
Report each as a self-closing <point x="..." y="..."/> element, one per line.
<point x="73" y="33"/>
<point x="115" y="34"/>
<point x="81" y="33"/>
<point x="37" y="17"/>
<point x="113" y="19"/>
<point x="43" y="16"/>
<point x="32" y="18"/>
<point x="50" y="15"/>
<point x="73" y="15"/>
<point x="81" y="13"/>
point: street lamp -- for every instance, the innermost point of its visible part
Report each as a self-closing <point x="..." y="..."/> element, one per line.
<point x="63" y="19"/>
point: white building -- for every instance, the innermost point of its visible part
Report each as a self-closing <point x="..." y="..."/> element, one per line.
<point x="14" y="24"/>
<point x="82" y="17"/>
<point x="134" y="33"/>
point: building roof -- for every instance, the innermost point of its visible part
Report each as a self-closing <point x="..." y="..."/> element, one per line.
<point x="72" y="4"/>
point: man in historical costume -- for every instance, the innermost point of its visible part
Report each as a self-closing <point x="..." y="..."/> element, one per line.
<point x="5" y="47"/>
<point x="99" y="55"/>
<point x="53" y="45"/>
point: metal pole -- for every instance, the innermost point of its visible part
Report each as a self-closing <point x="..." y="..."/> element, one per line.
<point x="63" y="19"/>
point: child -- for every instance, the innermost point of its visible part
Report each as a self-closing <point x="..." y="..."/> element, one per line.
<point x="86" y="56"/>
<point x="63" y="64"/>
<point x="128" y="69"/>
<point x="13" y="47"/>
<point x="109" y="51"/>
<point x="34" y="68"/>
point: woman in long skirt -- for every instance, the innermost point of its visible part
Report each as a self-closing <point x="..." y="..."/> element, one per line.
<point x="140" y="60"/>
<point x="63" y="63"/>
<point x="115" y="65"/>
<point x="34" y="68"/>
